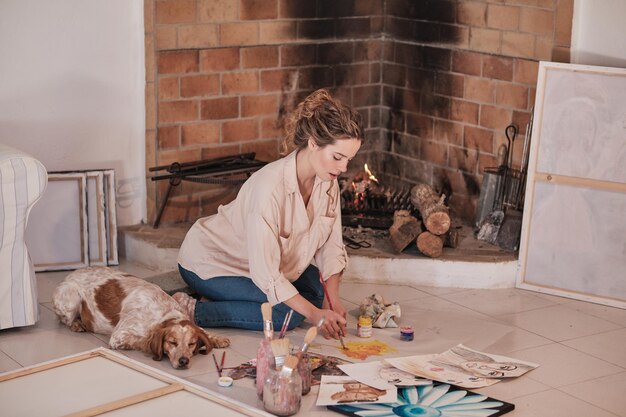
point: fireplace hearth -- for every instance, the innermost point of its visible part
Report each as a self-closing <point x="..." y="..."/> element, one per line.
<point x="473" y="264"/>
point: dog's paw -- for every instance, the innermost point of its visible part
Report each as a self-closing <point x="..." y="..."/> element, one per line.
<point x="220" y="342"/>
<point x="77" y="326"/>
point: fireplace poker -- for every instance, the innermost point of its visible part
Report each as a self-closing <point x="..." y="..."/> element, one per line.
<point x="525" y="157"/>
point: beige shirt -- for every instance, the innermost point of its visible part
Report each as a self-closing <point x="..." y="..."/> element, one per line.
<point x="268" y="235"/>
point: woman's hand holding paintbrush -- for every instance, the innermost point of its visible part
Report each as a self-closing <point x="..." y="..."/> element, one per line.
<point x="334" y="326"/>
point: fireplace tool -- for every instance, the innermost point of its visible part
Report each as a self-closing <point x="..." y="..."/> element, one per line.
<point x="504" y="188"/>
<point x="356" y="244"/>
<point x="513" y="201"/>
<point x="227" y="170"/>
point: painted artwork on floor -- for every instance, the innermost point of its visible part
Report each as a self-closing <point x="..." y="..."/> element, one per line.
<point x="345" y="390"/>
<point x="431" y="400"/>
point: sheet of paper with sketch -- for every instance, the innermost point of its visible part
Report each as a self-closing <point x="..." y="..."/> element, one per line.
<point x="483" y="364"/>
<point x="463" y="366"/>
<point x="346" y="390"/>
<point x="381" y="375"/>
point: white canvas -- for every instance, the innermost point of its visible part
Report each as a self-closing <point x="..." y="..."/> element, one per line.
<point x="572" y="241"/>
<point x="104" y="382"/>
<point x="56" y="234"/>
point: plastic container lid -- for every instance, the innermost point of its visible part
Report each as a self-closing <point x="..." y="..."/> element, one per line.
<point x="225" y="381"/>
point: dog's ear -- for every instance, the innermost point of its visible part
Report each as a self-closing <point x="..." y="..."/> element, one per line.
<point x="156" y="342"/>
<point x="204" y="345"/>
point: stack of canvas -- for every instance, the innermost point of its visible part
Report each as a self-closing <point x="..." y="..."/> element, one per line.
<point x="74" y="225"/>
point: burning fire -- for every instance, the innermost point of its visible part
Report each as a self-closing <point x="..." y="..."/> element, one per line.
<point x="361" y="187"/>
<point x="371" y="176"/>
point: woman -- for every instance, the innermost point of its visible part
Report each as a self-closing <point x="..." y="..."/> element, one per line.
<point x="260" y="247"/>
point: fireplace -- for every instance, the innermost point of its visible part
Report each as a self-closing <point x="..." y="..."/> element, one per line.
<point x="436" y="82"/>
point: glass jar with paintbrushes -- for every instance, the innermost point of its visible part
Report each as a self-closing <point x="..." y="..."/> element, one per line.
<point x="304" y="367"/>
<point x="265" y="359"/>
<point x="282" y="390"/>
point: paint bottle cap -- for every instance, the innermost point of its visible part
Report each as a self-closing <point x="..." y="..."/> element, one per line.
<point x="406" y="333"/>
<point x="225" y="381"/>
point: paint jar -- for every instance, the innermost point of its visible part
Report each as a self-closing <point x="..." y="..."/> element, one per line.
<point x="304" y="369"/>
<point x="406" y="333"/>
<point x="364" y="326"/>
<point x="282" y="392"/>
<point x="264" y="361"/>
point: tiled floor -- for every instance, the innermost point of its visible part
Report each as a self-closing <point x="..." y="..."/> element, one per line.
<point x="581" y="347"/>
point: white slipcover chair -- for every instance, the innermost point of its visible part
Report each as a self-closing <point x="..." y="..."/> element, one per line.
<point x="23" y="180"/>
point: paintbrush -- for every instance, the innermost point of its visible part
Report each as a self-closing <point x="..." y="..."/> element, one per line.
<point x="319" y="324"/>
<point x="280" y="347"/>
<point x="280" y="350"/>
<point x="291" y="363"/>
<point x="308" y="338"/>
<point x="330" y="304"/>
<point x="219" y="371"/>
<point x="268" y="326"/>
<point x="283" y="329"/>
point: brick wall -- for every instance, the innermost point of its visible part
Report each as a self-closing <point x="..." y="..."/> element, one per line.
<point x="436" y="82"/>
<point x="455" y="74"/>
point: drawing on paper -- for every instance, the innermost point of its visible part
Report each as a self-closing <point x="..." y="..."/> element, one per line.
<point x="382" y="376"/>
<point x="463" y="366"/>
<point x="345" y="390"/>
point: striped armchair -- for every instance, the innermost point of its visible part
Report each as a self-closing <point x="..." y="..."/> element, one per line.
<point x="22" y="181"/>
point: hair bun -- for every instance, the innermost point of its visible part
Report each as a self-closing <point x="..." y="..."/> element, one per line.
<point x="323" y="118"/>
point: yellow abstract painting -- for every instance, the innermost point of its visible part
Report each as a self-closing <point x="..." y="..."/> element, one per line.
<point x="363" y="350"/>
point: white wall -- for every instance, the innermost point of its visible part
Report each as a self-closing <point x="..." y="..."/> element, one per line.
<point x="599" y="33"/>
<point x="72" y="83"/>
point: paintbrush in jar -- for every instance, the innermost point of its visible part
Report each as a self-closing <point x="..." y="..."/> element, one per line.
<point x="280" y="350"/>
<point x="283" y="329"/>
<point x="287" y="398"/>
<point x="268" y="327"/>
<point x="291" y="363"/>
<point x="308" y="338"/>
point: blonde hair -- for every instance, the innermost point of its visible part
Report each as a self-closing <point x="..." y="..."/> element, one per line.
<point x="322" y="118"/>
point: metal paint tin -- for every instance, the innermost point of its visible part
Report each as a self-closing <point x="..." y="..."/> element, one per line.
<point x="406" y="333"/>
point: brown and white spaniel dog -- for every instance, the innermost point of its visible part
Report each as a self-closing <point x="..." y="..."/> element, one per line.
<point x="137" y="314"/>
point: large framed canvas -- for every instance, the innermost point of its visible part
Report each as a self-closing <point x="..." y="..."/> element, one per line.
<point x="574" y="223"/>
<point x="57" y="231"/>
<point x="105" y="383"/>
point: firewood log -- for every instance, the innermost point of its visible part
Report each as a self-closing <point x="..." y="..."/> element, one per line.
<point x="404" y="230"/>
<point x="429" y="244"/>
<point x="432" y="209"/>
<point x="451" y="239"/>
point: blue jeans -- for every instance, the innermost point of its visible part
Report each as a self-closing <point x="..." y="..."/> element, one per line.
<point x="236" y="301"/>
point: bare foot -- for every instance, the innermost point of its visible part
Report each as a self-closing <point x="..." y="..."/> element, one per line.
<point x="187" y="302"/>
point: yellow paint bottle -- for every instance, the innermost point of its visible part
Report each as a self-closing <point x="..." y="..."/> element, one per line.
<point x="364" y="326"/>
